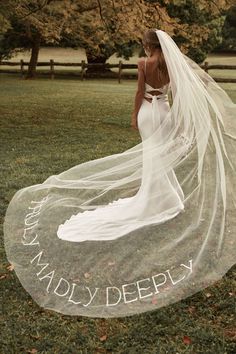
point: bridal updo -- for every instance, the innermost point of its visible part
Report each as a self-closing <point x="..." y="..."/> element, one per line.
<point x="150" y="39"/>
<point x="151" y="42"/>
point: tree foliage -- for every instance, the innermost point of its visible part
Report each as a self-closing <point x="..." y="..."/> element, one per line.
<point x="229" y="31"/>
<point x="31" y="24"/>
<point x="115" y="27"/>
<point x="201" y="25"/>
<point x="105" y="27"/>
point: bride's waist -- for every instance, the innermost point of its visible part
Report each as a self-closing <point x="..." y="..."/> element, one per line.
<point x="150" y="97"/>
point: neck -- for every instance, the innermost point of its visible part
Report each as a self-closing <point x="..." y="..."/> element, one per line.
<point x="155" y="52"/>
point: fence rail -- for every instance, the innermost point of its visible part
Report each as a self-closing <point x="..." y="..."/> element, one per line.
<point x="121" y="66"/>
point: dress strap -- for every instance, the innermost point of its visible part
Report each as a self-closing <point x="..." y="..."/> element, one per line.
<point x="145" y="64"/>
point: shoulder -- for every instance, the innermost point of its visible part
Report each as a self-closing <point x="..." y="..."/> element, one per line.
<point x="141" y="62"/>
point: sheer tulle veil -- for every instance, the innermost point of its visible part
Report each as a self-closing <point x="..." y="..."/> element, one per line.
<point x="138" y="265"/>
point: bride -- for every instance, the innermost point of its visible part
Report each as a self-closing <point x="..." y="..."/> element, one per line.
<point x="144" y="228"/>
<point x="158" y="199"/>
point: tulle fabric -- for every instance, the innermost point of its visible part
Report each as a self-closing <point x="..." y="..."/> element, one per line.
<point x="138" y="230"/>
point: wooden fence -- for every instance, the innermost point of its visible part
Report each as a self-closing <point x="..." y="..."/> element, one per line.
<point x="121" y="66"/>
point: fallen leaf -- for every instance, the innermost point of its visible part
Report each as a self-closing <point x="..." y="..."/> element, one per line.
<point x="166" y="288"/>
<point x="208" y="294"/>
<point x="103" y="338"/>
<point x="10" y="267"/>
<point x="3" y="276"/>
<point x="187" y="340"/>
<point x="191" y="309"/>
<point x="154" y="301"/>
<point x="230" y="333"/>
<point x="86" y="275"/>
<point x="111" y="263"/>
<point x="76" y="279"/>
<point x="32" y="351"/>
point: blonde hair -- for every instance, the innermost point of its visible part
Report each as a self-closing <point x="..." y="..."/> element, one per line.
<point x="150" y="41"/>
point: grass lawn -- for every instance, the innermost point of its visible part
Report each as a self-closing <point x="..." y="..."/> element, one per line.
<point x="48" y="126"/>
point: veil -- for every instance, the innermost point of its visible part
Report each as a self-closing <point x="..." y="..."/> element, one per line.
<point x="138" y="264"/>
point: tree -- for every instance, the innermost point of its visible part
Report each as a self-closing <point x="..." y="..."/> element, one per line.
<point x="229" y="32"/>
<point x="105" y="27"/>
<point x="119" y="25"/>
<point x="33" y="23"/>
<point x="201" y="25"/>
<point x="115" y="27"/>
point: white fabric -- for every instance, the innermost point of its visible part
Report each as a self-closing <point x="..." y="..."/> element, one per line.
<point x="141" y="229"/>
<point x="157" y="200"/>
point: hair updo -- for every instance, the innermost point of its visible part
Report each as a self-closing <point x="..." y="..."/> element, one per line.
<point x="150" y="41"/>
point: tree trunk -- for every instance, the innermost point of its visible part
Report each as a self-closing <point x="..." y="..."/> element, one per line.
<point x="31" y="74"/>
<point x="96" y="60"/>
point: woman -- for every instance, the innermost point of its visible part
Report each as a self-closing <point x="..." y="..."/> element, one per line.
<point x="138" y="230"/>
<point x="158" y="199"/>
<point x="155" y="72"/>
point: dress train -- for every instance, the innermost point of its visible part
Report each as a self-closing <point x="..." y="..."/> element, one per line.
<point x="157" y="200"/>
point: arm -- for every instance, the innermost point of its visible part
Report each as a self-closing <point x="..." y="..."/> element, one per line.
<point x="140" y="90"/>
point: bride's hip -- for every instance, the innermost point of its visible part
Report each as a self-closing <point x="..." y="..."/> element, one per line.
<point x="151" y="116"/>
<point x="163" y="106"/>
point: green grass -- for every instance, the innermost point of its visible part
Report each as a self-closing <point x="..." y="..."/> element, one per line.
<point x="47" y="127"/>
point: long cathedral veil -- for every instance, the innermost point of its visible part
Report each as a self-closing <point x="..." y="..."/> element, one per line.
<point x="143" y="265"/>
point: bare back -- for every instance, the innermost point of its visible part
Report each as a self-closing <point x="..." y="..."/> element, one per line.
<point x="150" y="70"/>
<point x="151" y="78"/>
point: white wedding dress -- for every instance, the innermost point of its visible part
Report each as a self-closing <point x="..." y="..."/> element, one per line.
<point x="157" y="200"/>
<point x="144" y="228"/>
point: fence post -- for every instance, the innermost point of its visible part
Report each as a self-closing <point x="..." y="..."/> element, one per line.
<point x="22" y="68"/>
<point x="82" y="69"/>
<point x="52" y="68"/>
<point x="119" y="71"/>
<point x="206" y="66"/>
